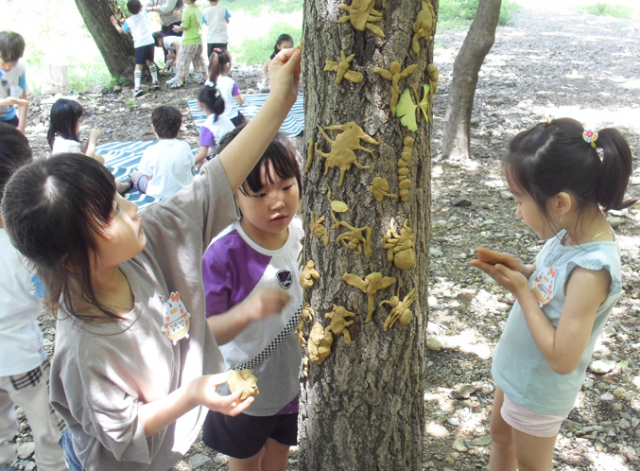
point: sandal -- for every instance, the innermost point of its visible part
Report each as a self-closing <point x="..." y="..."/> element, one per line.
<point x="177" y="85"/>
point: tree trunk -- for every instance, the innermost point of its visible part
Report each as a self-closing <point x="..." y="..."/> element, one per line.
<point x="476" y="46"/>
<point x="116" y="48"/>
<point x="362" y="408"/>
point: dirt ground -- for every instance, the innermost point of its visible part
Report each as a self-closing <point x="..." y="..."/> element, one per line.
<point x="551" y="61"/>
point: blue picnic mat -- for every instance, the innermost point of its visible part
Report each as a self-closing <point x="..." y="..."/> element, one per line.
<point x="122" y="158"/>
<point x="293" y="124"/>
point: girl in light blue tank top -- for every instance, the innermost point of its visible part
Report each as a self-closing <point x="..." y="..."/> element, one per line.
<point x="562" y="177"/>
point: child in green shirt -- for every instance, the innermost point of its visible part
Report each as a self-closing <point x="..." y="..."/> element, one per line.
<point x="191" y="49"/>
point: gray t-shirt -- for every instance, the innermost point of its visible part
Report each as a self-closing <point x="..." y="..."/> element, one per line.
<point x="102" y="372"/>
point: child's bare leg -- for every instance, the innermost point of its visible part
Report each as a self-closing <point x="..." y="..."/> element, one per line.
<point x="503" y="453"/>
<point x="250" y="464"/>
<point x="533" y="453"/>
<point x="274" y="457"/>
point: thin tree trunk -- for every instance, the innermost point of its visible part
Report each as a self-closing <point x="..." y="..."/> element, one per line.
<point x="477" y="44"/>
<point x="115" y="48"/>
<point x="363" y="407"/>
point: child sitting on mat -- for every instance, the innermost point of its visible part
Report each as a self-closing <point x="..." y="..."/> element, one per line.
<point x="219" y="68"/>
<point x="215" y="126"/>
<point x="165" y="168"/>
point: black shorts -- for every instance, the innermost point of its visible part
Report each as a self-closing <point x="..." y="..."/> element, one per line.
<point x="212" y="46"/>
<point x="168" y="30"/>
<point x="144" y="53"/>
<point x="13" y="121"/>
<point x="243" y="436"/>
<point x="238" y="120"/>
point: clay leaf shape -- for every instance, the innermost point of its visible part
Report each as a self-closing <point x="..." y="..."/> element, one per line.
<point x="406" y="108"/>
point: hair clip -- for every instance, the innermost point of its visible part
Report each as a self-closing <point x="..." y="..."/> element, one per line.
<point x="218" y="50"/>
<point x="590" y="137"/>
<point x="550" y="119"/>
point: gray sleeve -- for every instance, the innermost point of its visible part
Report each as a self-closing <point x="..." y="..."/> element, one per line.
<point x="188" y="220"/>
<point x="168" y="6"/>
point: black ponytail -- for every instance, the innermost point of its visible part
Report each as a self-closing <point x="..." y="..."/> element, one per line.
<point x="210" y="96"/>
<point x="615" y="170"/>
<point x="217" y="63"/>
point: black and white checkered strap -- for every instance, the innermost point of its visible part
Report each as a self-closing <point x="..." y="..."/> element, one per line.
<point x="269" y="349"/>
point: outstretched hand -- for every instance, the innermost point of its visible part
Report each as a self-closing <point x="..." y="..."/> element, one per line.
<point x="284" y="72"/>
<point x="267" y="302"/>
<point x="508" y="260"/>
<point x="508" y="278"/>
<point x="206" y="395"/>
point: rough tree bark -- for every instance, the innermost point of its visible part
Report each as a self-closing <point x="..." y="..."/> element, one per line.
<point x="476" y="46"/>
<point x="116" y="48"/>
<point x="362" y="409"/>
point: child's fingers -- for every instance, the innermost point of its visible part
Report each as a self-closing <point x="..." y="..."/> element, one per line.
<point x="289" y="58"/>
<point x="241" y="407"/>
<point x="219" y="378"/>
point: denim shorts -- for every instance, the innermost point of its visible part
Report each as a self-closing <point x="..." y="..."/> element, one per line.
<point x="66" y="443"/>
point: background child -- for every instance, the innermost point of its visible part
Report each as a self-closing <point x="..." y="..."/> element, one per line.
<point x="284" y="41"/>
<point x="191" y="48"/>
<point x="128" y="383"/>
<point x="216" y="17"/>
<point x="250" y="274"/>
<point x="13" y="82"/>
<point x="215" y="126"/>
<point x="219" y="68"/>
<point x="24" y="370"/>
<point x="143" y="42"/>
<point x="165" y="168"/>
<point x="64" y="129"/>
<point x="170" y="45"/>
<point x="565" y="298"/>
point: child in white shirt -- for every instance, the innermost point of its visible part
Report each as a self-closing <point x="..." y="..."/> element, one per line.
<point x="24" y="370"/>
<point x="216" y="17"/>
<point x="165" y="168"/>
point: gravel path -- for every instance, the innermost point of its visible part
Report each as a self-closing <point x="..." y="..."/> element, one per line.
<point x="551" y="61"/>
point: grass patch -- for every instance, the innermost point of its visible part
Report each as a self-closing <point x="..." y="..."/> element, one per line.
<point x="508" y="11"/>
<point x="604" y="9"/>
<point x="257" y="51"/>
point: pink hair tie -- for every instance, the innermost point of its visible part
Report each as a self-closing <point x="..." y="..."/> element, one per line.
<point x="590" y="137"/>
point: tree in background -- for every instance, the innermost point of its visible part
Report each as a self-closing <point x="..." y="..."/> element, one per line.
<point x="367" y="214"/>
<point x="477" y="44"/>
<point x="115" y="48"/>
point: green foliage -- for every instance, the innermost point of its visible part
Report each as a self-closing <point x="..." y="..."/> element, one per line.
<point x="508" y="9"/>
<point x="457" y="10"/>
<point x="260" y="8"/>
<point x="257" y="51"/>
<point x="604" y="9"/>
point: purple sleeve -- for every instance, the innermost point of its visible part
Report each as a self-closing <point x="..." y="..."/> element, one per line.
<point x="216" y="279"/>
<point x="236" y="89"/>
<point x="206" y="137"/>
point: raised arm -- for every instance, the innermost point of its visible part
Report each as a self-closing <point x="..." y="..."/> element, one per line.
<point x="241" y="155"/>
<point x="115" y="24"/>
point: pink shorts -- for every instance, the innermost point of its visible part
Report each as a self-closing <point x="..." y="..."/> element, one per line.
<point x="529" y="422"/>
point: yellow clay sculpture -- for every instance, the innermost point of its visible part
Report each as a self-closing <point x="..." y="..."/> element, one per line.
<point x="309" y="275"/>
<point x="319" y="345"/>
<point x="357" y="239"/>
<point x="362" y="15"/>
<point x="339" y="322"/>
<point x="307" y="165"/>
<point x="243" y="380"/>
<point x="400" y="248"/>
<point x="343" y="69"/>
<point x="300" y="334"/>
<point x="434" y="76"/>
<point x="403" y="166"/>
<point x="307" y="311"/>
<point x="342" y="154"/>
<point x="399" y="309"/>
<point x="373" y="283"/>
<point x="379" y="188"/>
<point x="316" y="228"/>
<point x="394" y="74"/>
<point x="424" y="27"/>
<point x="337" y="206"/>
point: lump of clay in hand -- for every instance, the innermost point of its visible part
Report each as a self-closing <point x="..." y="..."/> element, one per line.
<point x="243" y="380"/>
